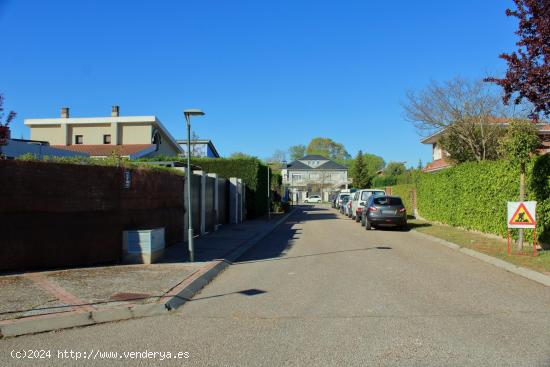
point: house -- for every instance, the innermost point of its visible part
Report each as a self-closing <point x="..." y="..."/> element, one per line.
<point x="15" y="148"/>
<point x="313" y="174"/>
<point x="128" y="136"/>
<point x="440" y="156"/>
<point x="199" y="148"/>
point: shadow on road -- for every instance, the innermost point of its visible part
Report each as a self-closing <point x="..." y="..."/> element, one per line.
<point x="283" y="238"/>
<point x="242" y="261"/>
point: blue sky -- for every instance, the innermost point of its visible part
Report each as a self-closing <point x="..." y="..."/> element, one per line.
<point x="268" y="74"/>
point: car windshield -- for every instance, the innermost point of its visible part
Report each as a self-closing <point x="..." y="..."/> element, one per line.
<point x="387" y="200"/>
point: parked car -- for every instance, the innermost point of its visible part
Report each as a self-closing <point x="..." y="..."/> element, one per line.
<point x="349" y="206"/>
<point x="343" y="204"/>
<point x="313" y="199"/>
<point x="384" y="210"/>
<point x="360" y="197"/>
<point x="340" y="197"/>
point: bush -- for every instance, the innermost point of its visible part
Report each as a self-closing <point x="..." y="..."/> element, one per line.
<point x="383" y="181"/>
<point x="474" y="195"/>
<point x="250" y="170"/>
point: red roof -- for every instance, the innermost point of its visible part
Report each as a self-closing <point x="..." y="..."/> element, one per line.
<point x="437" y="165"/>
<point x="106" y="149"/>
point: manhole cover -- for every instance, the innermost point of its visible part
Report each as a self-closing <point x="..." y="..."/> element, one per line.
<point x="126" y="296"/>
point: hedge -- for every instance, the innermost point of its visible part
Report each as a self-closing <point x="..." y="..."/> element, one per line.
<point x="250" y="170"/>
<point x="474" y="195"/>
<point x="405" y="191"/>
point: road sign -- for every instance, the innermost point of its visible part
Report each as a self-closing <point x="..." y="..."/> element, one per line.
<point x="522" y="214"/>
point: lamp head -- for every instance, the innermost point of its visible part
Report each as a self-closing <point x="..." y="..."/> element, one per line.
<point x="193" y="112"/>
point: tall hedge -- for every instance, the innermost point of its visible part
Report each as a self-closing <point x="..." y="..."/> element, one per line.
<point x="474" y="195"/>
<point x="250" y="170"/>
<point x="405" y="191"/>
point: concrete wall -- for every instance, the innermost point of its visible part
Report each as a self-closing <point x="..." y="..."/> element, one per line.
<point x="61" y="215"/>
<point x="54" y="134"/>
<point x="92" y="134"/>
<point x="136" y="133"/>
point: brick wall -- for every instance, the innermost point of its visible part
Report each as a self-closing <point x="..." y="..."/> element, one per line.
<point x="63" y="215"/>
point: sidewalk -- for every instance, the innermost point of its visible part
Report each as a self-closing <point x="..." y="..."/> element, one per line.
<point x="45" y="300"/>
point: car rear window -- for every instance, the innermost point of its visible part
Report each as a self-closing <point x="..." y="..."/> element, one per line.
<point x="344" y="197"/>
<point x="386" y="200"/>
<point x="366" y="194"/>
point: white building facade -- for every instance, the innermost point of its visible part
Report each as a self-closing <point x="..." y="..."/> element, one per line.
<point x="314" y="175"/>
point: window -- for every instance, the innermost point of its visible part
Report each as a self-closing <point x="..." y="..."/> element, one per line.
<point x="365" y="194"/>
<point x="106" y="139"/>
<point x="386" y="200"/>
<point x="78" y="139"/>
<point x="296" y="177"/>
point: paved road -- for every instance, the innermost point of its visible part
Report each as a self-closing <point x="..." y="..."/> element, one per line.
<point x="322" y="291"/>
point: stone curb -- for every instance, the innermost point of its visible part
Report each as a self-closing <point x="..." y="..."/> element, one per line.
<point x="518" y="270"/>
<point x="176" y="298"/>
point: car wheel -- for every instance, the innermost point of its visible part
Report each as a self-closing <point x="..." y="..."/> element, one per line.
<point x="368" y="226"/>
<point x="357" y="218"/>
<point x="362" y="221"/>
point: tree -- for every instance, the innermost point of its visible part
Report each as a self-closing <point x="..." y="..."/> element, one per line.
<point x="519" y="144"/>
<point x="465" y="109"/>
<point x="297" y="151"/>
<point x="4" y="124"/>
<point x="458" y="152"/>
<point x="359" y="172"/>
<point x="528" y="74"/>
<point x="278" y="156"/>
<point x="395" y="169"/>
<point x="373" y="164"/>
<point x="327" y="148"/>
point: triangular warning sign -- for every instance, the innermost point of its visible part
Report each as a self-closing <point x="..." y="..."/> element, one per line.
<point x="522" y="216"/>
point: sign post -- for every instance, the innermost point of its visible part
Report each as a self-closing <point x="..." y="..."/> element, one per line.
<point x="522" y="214"/>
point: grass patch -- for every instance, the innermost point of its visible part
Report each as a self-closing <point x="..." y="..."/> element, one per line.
<point x="485" y="244"/>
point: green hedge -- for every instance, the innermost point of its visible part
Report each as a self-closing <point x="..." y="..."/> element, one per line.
<point x="250" y="170"/>
<point x="474" y="195"/>
<point x="405" y="192"/>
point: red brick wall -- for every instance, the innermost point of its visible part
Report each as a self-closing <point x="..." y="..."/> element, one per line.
<point x="63" y="215"/>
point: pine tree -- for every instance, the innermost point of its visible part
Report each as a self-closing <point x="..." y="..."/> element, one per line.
<point x="359" y="174"/>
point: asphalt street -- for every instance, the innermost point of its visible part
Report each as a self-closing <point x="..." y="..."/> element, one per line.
<point x="322" y="291"/>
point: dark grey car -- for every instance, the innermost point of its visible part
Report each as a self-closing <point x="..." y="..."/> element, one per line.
<point x="384" y="210"/>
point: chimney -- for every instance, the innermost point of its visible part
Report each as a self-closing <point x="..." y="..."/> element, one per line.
<point x="65" y="112"/>
<point x="115" y="111"/>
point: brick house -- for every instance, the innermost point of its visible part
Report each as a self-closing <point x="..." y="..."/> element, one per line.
<point x="439" y="155"/>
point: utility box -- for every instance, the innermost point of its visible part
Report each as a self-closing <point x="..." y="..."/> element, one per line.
<point x="143" y="246"/>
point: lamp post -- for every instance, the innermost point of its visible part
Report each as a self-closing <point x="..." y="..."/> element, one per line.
<point x="188" y="114"/>
<point x="268" y="194"/>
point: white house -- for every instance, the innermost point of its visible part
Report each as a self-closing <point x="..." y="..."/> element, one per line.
<point x="314" y="174"/>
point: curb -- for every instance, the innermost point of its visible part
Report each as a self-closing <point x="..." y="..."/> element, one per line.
<point x="518" y="270"/>
<point x="174" y="299"/>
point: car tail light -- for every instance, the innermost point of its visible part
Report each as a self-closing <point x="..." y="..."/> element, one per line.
<point x="372" y="209"/>
<point x="402" y="210"/>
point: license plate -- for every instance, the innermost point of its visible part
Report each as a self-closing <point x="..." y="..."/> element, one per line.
<point x="388" y="211"/>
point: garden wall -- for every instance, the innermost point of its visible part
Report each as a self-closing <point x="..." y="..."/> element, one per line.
<point x="62" y="215"/>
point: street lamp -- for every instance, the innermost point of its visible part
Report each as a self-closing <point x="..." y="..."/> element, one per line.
<point x="188" y="114"/>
